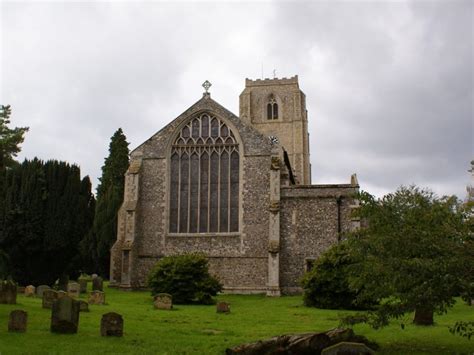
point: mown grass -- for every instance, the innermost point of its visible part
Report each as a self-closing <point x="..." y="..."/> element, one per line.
<point x="200" y="330"/>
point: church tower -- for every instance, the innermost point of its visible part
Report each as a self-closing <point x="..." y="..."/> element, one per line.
<point x="277" y="107"/>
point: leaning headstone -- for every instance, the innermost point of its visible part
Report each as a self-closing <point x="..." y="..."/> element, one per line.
<point x="111" y="324"/>
<point x="97" y="297"/>
<point x="30" y="291"/>
<point x="17" y="321"/>
<point x="97" y="284"/>
<point x="223" y="307"/>
<point x="163" y="301"/>
<point x="8" y="292"/>
<point x="49" y="296"/>
<point x="348" y="348"/>
<point x="20" y="289"/>
<point x="83" y="306"/>
<point x="40" y="289"/>
<point x="65" y="316"/>
<point x="63" y="282"/>
<point x="73" y="289"/>
<point x="83" y="285"/>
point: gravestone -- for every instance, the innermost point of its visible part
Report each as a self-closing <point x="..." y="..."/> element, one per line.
<point x="83" y="306"/>
<point x="111" y="324"/>
<point x="83" y="285"/>
<point x="348" y="348"/>
<point x="97" y="284"/>
<point x="97" y="297"/>
<point x="40" y="289"/>
<point x="93" y="276"/>
<point x="30" y="291"/>
<point x="61" y="294"/>
<point x="20" y="289"/>
<point x="223" y="307"/>
<point x="63" y="282"/>
<point x="49" y="296"/>
<point x="163" y="301"/>
<point x="17" y="321"/>
<point x="8" y="292"/>
<point x="73" y="289"/>
<point x="65" y="316"/>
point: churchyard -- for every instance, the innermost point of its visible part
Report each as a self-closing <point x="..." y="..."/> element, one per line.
<point x="199" y="329"/>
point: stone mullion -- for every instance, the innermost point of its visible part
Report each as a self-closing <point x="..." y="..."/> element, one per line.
<point x="228" y="189"/>
<point x="209" y="191"/>
<point x="219" y="154"/>
<point x="189" y="189"/>
<point x="198" y="224"/>
<point x="179" y="190"/>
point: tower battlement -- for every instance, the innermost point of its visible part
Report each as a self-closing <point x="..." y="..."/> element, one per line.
<point x="275" y="81"/>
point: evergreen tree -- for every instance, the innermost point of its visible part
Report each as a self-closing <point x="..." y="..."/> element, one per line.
<point x="109" y="199"/>
<point x="46" y="214"/>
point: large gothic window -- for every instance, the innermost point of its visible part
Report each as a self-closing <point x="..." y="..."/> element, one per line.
<point x="204" y="178"/>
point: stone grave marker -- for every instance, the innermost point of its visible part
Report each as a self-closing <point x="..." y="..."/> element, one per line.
<point x="93" y="276"/>
<point x="40" y="289"/>
<point x="223" y="307"/>
<point x="83" y="306"/>
<point x="8" y="292"/>
<point x="97" y="284"/>
<point x="111" y="324"/>
<point x="163" y="301"/>
<point x="65" y="316"/>
<point x="63" y="282"/>
<point x="61" y="294"/>
<point x="30" y="291"/>
<point x="348" y="348"/>
<point x="73" y="289"/>
<point x="83" y="285"/>
<point x="49" y="296"/>
<point x="97" y="297"/>
<point x="20" y="289"/>
<point x="17" y="321"/>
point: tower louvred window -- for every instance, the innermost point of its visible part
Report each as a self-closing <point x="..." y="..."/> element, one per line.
<point x="272" y="109"/>
<point x="204" y="178"/>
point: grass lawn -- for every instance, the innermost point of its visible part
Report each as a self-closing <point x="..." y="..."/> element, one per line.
<point x="200" y="330"/>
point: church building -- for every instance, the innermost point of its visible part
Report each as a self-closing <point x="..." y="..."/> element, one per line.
<point x="235" y="188"/>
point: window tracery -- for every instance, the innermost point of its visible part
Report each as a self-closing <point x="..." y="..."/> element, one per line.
<point x="272" y="109"/>
<point x="204" y="178"/>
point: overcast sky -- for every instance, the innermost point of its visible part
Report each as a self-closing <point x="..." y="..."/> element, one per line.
<point x="389" y="85"/>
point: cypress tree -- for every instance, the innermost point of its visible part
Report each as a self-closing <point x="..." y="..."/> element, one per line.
<point x="109" y="199"/>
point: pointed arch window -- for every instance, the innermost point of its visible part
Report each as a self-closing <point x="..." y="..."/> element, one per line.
<point x="204" y="178"/>
<point x="272" y="109"/>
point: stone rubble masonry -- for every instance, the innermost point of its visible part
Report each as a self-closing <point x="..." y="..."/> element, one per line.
<point x="281" y="226"/>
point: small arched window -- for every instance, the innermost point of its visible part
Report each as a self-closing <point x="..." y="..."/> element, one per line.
<point x="204" y="178"/>
<point x="272" y="109"/>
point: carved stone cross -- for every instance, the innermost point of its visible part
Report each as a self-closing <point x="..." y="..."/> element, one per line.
<point x="206" y="85"/>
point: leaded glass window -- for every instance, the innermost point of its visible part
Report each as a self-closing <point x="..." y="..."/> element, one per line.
<point x="272" y="109"/>
<point x="204" y="178"/>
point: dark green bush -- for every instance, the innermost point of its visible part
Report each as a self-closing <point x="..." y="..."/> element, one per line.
<point x="186" y="278"/>
<point x="327" y="284"/>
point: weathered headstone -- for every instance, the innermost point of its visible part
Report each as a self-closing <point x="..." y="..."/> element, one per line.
<point x="8" y="292"/>
<point x="348" y="348"/>
<point x="73" y="289"/>
<point x="111" y="324"/>
<point x="83" y="285"/>
<point x="65" y="315"/>
<point x="163" y="301"/>
<point x="97" y="297"/>
<point x="223" y="307"/>
<point x="49" y="296"/>
<point x="20" y="289"/>
<point x="17" y="321"/>
<point x="93" y="276"/>
<point x="83" y="306"/>
<point x="61" y="294"/>
<point x="63" y="282"/>
<point x="97" y="284"/>
<point x="30" y="291"/>
<point x="40" y="289"/>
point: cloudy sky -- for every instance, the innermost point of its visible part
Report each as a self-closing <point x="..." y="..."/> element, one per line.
<point x="389" y="85"/>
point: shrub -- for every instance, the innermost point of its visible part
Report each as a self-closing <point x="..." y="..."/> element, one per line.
<point x="327" y="284"/>
<point x="186" y="278"/>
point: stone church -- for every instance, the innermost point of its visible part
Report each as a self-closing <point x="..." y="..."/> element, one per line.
<point x="235" y="188"/>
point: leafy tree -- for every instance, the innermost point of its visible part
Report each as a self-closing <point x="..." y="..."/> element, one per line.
<point x="44" y="220"/>
<point x="109" y="199"/>
<point x="412" y="253"/>
<point x="326" y="285"/>
<point x="185" y="277"/>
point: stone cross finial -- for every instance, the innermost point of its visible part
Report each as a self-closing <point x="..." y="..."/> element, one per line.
<point x="206" y="85"/>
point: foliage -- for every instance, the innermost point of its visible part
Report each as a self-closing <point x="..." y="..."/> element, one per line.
<point x="327" y="284"/>
<point x="185" y="277"/>
<point x="464" y="329"/>
<point x="109" y="199"/>
<point x="412" y="252"/>
<point x="10" y="139"/>
<point x="44" y="218"/>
